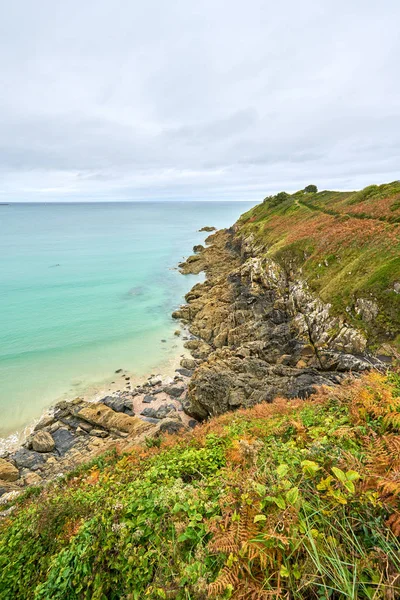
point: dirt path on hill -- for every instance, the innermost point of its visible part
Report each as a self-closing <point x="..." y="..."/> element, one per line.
<point x="334" y="213"/>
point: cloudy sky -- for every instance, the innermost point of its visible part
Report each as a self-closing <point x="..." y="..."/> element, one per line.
<point x="210" y="100"/>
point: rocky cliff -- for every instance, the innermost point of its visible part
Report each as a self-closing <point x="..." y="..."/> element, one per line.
<point x="260" y="329"/>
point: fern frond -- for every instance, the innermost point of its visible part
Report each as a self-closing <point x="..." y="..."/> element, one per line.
<point x="394" y="523"/>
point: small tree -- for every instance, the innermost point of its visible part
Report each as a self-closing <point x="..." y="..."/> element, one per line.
<point x="311" y="189"/>
<point x="281" y="196"/>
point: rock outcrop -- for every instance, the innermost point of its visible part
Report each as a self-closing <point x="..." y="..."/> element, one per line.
<point x="8" y="472"/>
<point x="259" y="331"/>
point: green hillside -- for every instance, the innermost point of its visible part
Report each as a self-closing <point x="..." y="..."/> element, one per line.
<point x="346" y="245"/>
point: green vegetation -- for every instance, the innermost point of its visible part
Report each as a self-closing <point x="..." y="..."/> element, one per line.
<point x="292" y="499"/>
<point x="347" y="245"/>
<point x="311" y="189"/>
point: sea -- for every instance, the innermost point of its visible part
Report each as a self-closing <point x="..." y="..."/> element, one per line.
<point x="87" y="289"/>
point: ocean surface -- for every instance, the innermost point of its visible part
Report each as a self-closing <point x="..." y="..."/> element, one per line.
<point x="87" y="289"/>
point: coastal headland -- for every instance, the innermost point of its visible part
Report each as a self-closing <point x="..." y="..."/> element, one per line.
<point x="264" y="323"/>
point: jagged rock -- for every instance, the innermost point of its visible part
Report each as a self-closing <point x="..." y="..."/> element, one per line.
<point x="171" y="426"/>
<point x="192" y="344"/>
<point x="159" y="413"/>
<point x="8" y="472"/>
<point x="71" y="421"/>
<point x="188" y="363"/>
<point x="174" y="391"/>
<point x="28" y="459"/>
<point x="64" y="440"/>
<point x="80" y="431"/>
<point x="260" y="332"/>
<point x="224" y="384"/>
<point x="192" y="265"/>
<point x="165" y="410"/>
<point x="7" y="494"/>
<point x="114" y="402"/>
<point x="149" y="412"/>
<point x="198" y="248"/>
<point x="55" y="426"/>
<point x="185" y="372"/>
<point x="85" y="426"/>
<point x="367" y="309"/>
<point x="45" y="421"/>
<point x="147" y="399"/>
<point x="43" y="442"/>
<point x="155" y="381"/>
<point x="208" y="228"/>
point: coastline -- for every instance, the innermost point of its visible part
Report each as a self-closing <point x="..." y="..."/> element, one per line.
<point x="113" y="384"/>
<point x="75" y="431"/>
<point x="122" y="410"/>
<point x="253" y="332"/>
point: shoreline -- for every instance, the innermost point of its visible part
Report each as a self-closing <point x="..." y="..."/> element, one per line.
<point x="93" y="393"/>
<point x="117" y="383"/>
<point x="110" y="416"/>
<point x="75" y="431"/>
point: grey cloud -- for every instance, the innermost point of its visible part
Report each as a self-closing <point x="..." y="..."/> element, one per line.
<point x="213" y="100"/>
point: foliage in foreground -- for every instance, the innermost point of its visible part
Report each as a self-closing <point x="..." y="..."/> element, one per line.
<point x="292" y="499"/>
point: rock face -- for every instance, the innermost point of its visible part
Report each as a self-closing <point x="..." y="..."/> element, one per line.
<point x="260" y="332"/>
<point x="27" y="459"/>
<point x="366" y="309"/>
<point x="64" y="440"/>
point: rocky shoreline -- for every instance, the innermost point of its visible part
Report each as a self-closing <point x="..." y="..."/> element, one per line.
<point x="256" y="332"/>
<point x="74" y="432"/>
<point x="259" y="331"/>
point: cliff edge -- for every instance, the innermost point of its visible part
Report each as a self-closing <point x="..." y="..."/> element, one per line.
<point x="302" y="290"/>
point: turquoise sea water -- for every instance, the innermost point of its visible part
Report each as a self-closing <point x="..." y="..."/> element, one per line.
<point x="86" y="289"/>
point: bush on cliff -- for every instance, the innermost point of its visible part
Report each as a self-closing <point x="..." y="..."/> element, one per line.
<point x="272" y="201"/>
<point x="294" y="499"/>
<point x="311" y="189"/>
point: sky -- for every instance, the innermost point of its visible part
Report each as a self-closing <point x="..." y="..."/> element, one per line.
<point x="206" y="100"/>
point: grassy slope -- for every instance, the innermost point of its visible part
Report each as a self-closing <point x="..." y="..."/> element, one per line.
<point x="298" y="496"/>
<point x="347" y="245"/>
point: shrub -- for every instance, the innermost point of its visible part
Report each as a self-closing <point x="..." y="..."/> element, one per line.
<point x="311" y="189"/>
<point x="294" y="499"/>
